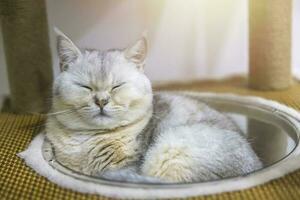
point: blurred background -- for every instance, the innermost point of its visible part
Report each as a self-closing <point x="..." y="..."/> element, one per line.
<point x="190" y="39"/>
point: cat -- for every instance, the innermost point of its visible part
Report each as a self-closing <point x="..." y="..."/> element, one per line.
<point x="106" y="118"/>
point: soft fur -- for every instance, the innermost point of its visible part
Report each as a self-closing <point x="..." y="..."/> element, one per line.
<point x="105" y="118"/>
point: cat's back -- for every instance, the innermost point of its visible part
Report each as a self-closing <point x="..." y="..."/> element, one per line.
<point x="194" y="142"/>
<point x="173" y="109"/>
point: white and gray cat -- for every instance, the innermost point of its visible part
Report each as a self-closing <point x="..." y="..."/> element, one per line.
<point x="106" y="118"/>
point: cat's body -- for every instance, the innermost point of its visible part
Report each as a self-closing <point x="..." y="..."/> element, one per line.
<point x="108" y="119"/>
<point x="193" y="142"/>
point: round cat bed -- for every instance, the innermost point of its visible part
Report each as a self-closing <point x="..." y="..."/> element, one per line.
<point x="272" y="130"/>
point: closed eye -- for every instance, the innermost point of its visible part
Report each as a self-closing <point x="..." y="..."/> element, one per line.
<point x="87" y="87"/>
<point x="117" y="86"/>
<point x="84" y="86"/>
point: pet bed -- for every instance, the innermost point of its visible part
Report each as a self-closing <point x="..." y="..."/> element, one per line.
<point x="284" y="187"/>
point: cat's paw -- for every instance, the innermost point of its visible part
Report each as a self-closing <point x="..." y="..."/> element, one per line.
<point x="169" y="165"/>
<point x="105" y="156"/>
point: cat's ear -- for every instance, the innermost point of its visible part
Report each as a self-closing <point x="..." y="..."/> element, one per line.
<point x="67" y="51"/>
<point x="138" y="51"/>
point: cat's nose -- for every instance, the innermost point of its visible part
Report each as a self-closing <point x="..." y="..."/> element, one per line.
<point x="101" y="102"/>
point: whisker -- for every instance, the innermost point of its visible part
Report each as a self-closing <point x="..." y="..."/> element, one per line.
<point x="67" y="111"/>
<point x="60" y="112"/>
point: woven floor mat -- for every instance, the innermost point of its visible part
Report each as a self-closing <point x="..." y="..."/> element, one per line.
<point x="17" y="181"/>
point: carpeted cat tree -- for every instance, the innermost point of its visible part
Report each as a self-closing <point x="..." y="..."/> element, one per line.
<point x="27" y="51"/>
<point x="25" y="36"/>
<point x="270" y="44"/>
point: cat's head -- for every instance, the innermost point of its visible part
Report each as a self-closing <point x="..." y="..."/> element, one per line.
<point x="104" y="89"/>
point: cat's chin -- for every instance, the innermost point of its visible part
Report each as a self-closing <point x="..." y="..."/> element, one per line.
<point x="109" y="122"/>
<point x="104" y="121"/>
<point x="102" y="115"/>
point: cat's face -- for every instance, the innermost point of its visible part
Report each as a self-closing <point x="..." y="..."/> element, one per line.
<point x="105" y="89"/>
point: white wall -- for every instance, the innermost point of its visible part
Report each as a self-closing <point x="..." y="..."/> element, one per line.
<point x="189" y="39"/>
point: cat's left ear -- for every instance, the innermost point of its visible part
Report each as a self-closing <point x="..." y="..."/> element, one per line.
<point x="67" y="51"/>
<point x="137" y="52"/>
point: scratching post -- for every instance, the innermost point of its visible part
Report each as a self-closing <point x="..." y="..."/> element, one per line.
<point x="28" y="58"/>
<point x="270" y="44"/>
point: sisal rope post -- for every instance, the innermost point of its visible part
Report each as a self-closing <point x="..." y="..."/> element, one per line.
<point x="27" y="51"/>
<point x="270" y="44"/>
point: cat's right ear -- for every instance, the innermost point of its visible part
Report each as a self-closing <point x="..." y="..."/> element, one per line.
<point x="68" y="53"/>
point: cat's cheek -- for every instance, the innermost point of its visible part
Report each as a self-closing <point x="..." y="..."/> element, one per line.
<point x="139" y="103"/>
<point x="77" y="98"/>
<point x="126" y="96"/>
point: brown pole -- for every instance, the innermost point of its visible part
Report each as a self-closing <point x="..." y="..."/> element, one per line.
<point x="270" y="44"/>
<point x="27" y="51"/>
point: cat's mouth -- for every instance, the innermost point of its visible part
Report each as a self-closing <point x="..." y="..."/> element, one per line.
<point x="102" y="113"/>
